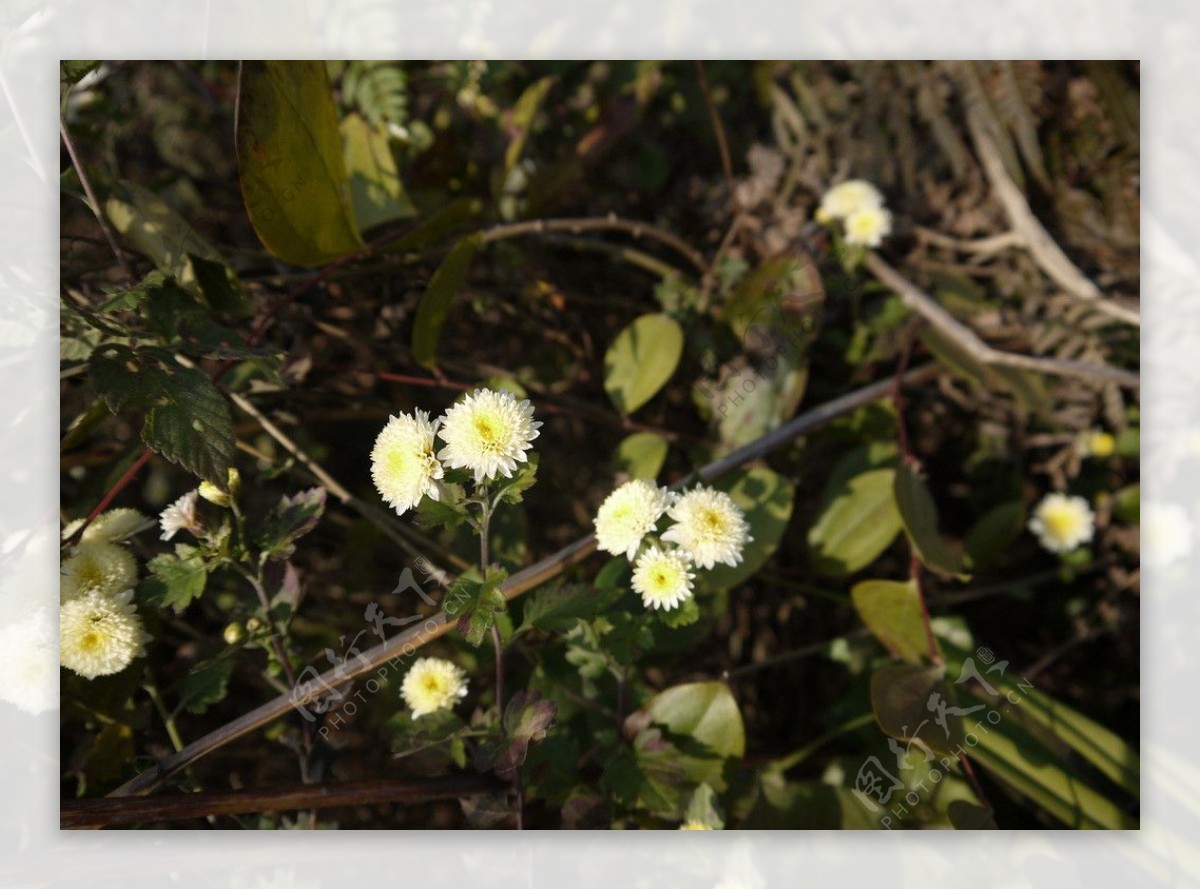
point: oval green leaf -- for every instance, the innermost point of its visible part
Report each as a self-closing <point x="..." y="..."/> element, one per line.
<point x="641" y="360"/>
<point x="708" y="713"/>
<point x="642" y="455"/>
<point x="376" y="191"/>
<point x="435" y="302"/>
<point x="766" y="499"/>
<point x="891" y="610"/>
<point x="859" y="523"/>
<point x="907" y="700"/>
<point x="290" y="164"/>
<point x="919" y="515"/>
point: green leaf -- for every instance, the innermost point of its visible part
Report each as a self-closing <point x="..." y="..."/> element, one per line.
<point x="375" y="187"/>
<point x="766" y="499"/>
<point x="903" y="698"/>
<point x="206" y="684"/>
<point x="641" y="360"/>
<point x="859" y="523"/>
<point x="1031" y="770"/>
<point x="558" y="608"/>
<point x="148" y="223"/>
<point x="687" y="614"/>
<point x="221" y="288"/>
<point x="290" y="164"/>
<point x="527" y="719"/>
<point x="966" y="816"/>
<point x="292" y="518"/>
<point x="175" y="579"/>
<point x="919" y="515"/>
<point x="476" y="603"/>
<point x="704" y="809"/>
<point x="435" y="302"/>
<point x="708" y="713"/>
<point x="990" y="538"/>
<point x="641" y="455"/>
<point x="891" y="610"/>
<point x="187" y="418"/>
<point x="520" y="120"/>
<point x="512" y="490"/>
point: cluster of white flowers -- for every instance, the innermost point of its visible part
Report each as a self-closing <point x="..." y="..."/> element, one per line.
<point x="100" y="632"/>
<point x="707" y="528"/>
<point x="1062" y="522"/>
<point x="858" y="206"/>
<point x="487" y="433"/>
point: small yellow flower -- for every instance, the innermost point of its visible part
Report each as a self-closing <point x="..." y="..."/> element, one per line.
<point x="847" y="198"/>
<point x="432" y="684"/>
<point x="403" y="464"/>
<point x="100" y="634"/>
<point x="628" y="515"/>
<point x="709" y="527"/>
<point x="1097" y="443"/>
<point x="97" y="567"/>
<point x="663" y="578"/>
<point x="488" y="433"/>
<point x="868" y="226"/>
<point x="1062" y="522"/>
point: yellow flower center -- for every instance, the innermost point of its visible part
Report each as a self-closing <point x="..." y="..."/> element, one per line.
<point x="1060" y="523"/>
<point x="713" y="522"/>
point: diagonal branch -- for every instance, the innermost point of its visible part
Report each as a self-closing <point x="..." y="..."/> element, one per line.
<point x="1033" y="235"/>
<point x="970" y="342"/>
<point x="405" y="644"/>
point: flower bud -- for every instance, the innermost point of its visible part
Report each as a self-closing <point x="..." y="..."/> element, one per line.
<point x="213" y="495"/>
<point x="234" y="633"/>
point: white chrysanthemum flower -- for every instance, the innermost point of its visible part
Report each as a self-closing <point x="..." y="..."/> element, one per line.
<point x="1062" y="522"/>
<point x="710" y="527"/>
<point x="29" y="663"/>
<point x="100" y="634"/>
<point x="432" y="684"/>
<point x="848" y="198"/>
<point x="628" y="515"/>
<point x="488" y="433"/>
<point x="403" y="465"/>
<point x="1167" y="534"/>
<point x="180" y="516"/>
<point x="663" y="578"/>
<point x="113" y="526"/>
<point x="97" y="567"/>
<point x="868" y="226"/>
<point x="1097" y="443"/>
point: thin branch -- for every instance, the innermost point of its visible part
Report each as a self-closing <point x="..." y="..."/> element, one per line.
<point x="985" y="247"/>
<point x="93" y="201"/>
<point x="970" y="342"/>
<point x="105" y="811"/>
<point x="406" y="643"/>
<point x="718" y="128"/>
<point x="1041" y="246"/>
<point x="610" y="223"/>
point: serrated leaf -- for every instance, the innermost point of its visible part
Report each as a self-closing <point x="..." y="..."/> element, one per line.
<point x="558" y="608"/>
<point x="175" y="580"/>
<point x="919" y="515"/>
<point x="435" y="302"/>
<point x="641" y="360"/>
<point x="641" y="455"/>
<point x="766" y="499"/>
<point x="376" y="190"/>
<point x="206" y="684"/>
<point x="909" y="699"/>
<point x="512" y="490"/>
<point x="290" y="164"/>
<point x="687" y="614"/>
<point x="891" y="610"/>
<point x="476" y="603"/>
<point x="187" y="418"/>
<point x="292" y="518"/>
<point x="859" y="523"/>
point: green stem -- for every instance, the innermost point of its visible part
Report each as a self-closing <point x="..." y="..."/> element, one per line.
<point x="168" y="718"/>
